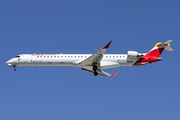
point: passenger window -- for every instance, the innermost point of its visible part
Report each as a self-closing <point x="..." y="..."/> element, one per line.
<point x="44" y="56"/>
<point x="37" y="56"/>
<point x="113" y="56"/>
<point x="61" y="56"/>
<point x="68" y="56"/>
<point x="71" y="56"/>
<point x="65" y="56"/>
<point x="75" y="56"/>
<point x="54" y="56"/>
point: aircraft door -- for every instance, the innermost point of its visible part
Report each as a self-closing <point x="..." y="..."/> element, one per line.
<point x="25" y="59"/>
<point x="15" y="59"/>
<point x="20" y="59"/>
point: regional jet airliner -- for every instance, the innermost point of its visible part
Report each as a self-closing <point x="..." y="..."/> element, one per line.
<point x="92" y="62"/>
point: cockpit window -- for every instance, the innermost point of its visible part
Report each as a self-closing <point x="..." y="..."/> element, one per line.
<point x="17" y="56"/>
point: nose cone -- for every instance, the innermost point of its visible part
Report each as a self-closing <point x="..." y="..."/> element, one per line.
<point x="8" y="62"/>
<point x="159" y="59"/>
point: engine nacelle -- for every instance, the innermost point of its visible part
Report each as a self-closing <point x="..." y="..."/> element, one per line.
<point x="134" y="54"/>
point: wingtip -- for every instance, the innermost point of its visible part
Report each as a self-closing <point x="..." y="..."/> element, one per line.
<point x="107" y="46"/>
<point x="115" y="73"/>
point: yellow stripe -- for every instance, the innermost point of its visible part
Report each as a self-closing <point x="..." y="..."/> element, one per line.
<point x="157" y="44"/>
<point x="160" y="43"/>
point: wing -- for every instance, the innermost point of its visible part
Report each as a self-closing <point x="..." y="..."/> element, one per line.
<point x="95" y="58"/>
<point x="100" y="72"/>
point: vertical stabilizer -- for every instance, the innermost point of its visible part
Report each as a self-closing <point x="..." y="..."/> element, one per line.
<point x="158" y="49"/>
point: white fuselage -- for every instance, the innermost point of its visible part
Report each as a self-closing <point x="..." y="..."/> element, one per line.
<point x="108" y="60"/>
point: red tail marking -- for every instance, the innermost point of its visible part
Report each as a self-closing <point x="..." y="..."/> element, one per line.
<point x="156" y="52"/>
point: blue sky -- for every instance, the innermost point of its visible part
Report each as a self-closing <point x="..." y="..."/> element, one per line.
<point x="68" y="93"/>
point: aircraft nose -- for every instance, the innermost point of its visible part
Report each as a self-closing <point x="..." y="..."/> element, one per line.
<point x="7" y="62"/>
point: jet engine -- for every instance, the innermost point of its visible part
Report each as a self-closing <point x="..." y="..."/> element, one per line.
<point x="134" y="54"/>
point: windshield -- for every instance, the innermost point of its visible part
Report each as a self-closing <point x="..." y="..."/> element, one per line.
<point x="17" y="56"/>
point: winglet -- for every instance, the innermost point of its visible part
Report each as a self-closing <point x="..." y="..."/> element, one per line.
<point x="107" y="46"/>
<point x="115" y="73"/>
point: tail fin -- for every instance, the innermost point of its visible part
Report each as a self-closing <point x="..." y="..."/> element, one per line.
<point x="158" y="49"/>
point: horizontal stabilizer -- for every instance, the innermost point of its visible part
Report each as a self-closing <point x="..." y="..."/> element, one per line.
<point x="169" y="48"/>
<point x="167" y="45"/>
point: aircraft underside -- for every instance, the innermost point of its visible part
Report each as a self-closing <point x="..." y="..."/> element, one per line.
<point x="103" y="66"/>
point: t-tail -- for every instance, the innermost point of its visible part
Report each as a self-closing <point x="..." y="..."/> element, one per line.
<point x="154" y="54"/>
<point x="158" y="49"/>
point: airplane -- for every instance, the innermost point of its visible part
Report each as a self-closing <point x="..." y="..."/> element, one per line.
<point x="92" y="62"/>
